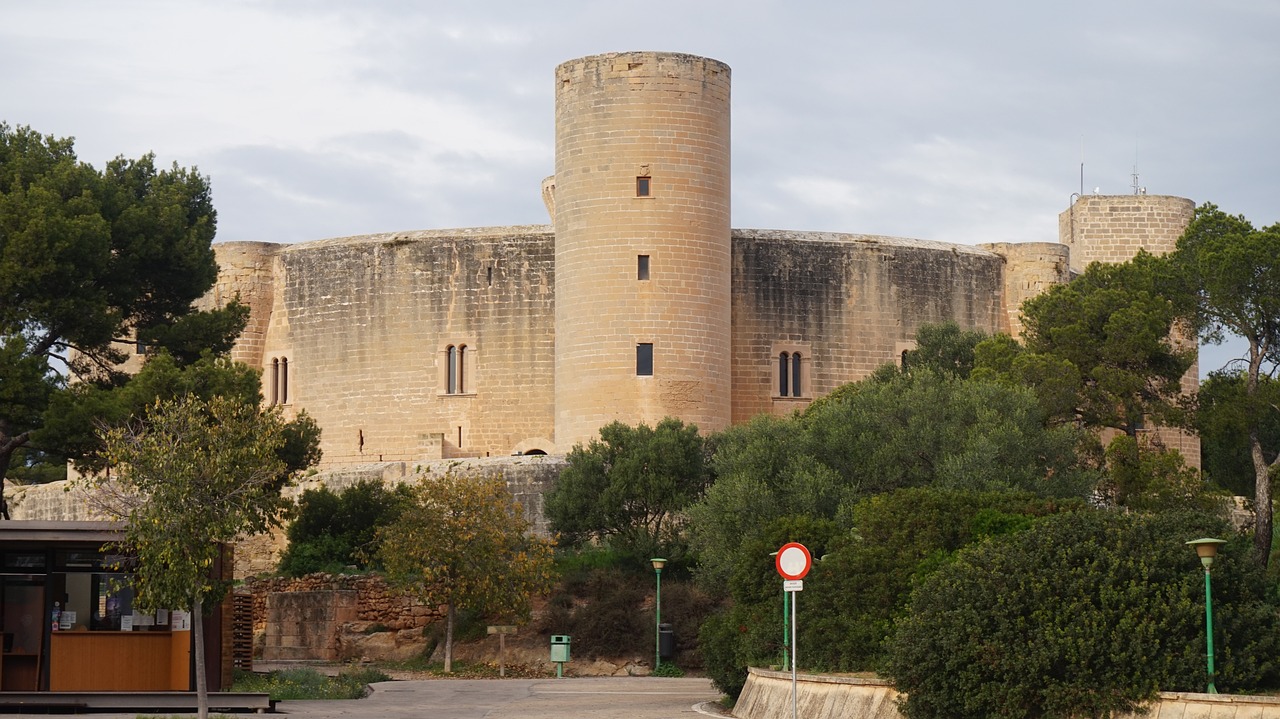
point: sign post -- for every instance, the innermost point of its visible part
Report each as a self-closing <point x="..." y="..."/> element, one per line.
<point x="793" y="562"/>
<point x="502" y="630"/>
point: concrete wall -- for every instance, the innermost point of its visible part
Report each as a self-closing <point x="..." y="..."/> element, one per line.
<point x="767" y="695"/>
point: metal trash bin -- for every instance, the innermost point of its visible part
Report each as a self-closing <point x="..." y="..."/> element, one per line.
<point x="666" y="641"/>
<point x="560" y="647"/>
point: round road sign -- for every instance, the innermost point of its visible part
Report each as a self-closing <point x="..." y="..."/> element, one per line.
<point x="793" y="561"/>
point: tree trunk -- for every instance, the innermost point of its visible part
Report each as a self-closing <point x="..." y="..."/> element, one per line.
<point x="448" y="640"/>
<point x="1261" y="503"/>
<point x="202" y="682"/>
<point x="1261" y="472"/>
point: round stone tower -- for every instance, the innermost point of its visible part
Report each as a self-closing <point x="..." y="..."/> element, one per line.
<point x="246" y="273"/>
<point x="641" y="212"/>
<point x="1112" y="228"/>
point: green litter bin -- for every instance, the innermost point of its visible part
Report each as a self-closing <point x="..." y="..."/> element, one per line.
<point x="560" y="647"/>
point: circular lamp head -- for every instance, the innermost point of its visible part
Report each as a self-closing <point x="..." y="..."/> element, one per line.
<point x="658" y="563"/>
<point x="1206" y="548"/>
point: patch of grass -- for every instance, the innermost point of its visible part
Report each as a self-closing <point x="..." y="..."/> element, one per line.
<point x="308" y="683"/>
<point x="669" y="670"/>
<point x="463" y="670"/>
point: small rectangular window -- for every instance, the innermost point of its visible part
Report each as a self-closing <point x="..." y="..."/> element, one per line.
<point x="644" y="359"/>
<point x="642" y="267"/>
<point x="642" y="187"/>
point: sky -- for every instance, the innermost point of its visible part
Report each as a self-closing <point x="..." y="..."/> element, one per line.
<point x="961" y="122"/>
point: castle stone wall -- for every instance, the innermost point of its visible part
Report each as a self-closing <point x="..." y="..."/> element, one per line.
<point x="365" y="322"/>
<point x="663" y="117"/>
<point x="848" y="304"/>
<point x="246" y="272"/>
<point x="1030" y="269"/>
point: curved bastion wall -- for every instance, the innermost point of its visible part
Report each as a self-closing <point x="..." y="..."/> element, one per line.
<point x="365" y="322"/>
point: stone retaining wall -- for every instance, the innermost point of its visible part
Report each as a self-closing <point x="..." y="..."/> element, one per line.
<point x="767" y="695"/>
<point x="304" y="625"/>
<point x="374" y="601"/>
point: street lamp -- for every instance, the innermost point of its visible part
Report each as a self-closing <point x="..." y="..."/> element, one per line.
<point x="1207" y="548"/>
<point x="658" y="564"/>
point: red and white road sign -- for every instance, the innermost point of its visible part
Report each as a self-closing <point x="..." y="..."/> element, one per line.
<point x="793" y="561"/>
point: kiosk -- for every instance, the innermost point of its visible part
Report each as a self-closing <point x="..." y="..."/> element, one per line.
<point x="68" y="623"/>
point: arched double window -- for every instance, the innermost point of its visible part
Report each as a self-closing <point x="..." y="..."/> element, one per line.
<point x="790" y="377"/>
<point x="279" y="380"/>
<point x="456" y="374"/>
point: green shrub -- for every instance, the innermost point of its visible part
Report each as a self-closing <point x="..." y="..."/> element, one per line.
<point x="735" y="638"/>
<point x="855" y="594"/>
<point x="668" y="670"/>
<point x="610" y="623"/>
<point x="308" y="683"/>
<point x="1081" y="615"/>
<point x="332" y="531"/>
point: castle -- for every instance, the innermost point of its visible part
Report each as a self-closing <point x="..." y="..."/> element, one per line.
<point x="640" y="301"/>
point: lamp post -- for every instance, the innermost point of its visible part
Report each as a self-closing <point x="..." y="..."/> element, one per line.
<point x="1207" y="548"/>
<point x="658" y="564"/>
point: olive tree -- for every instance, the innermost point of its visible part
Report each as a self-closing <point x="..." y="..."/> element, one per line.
<point x="465" y="543"/>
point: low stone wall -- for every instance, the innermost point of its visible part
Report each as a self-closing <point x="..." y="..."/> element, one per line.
<point x="375" y="602"/>
<point x="528" y="478"/>
<point x="304" y="625"/>
<point x="767" y="695"/>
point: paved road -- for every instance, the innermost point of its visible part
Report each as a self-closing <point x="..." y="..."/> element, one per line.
<point x="597" y="698"/>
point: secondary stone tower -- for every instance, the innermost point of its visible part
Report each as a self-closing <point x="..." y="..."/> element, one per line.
<point x="1113" y="228"/>
<point x="640" y="201"/>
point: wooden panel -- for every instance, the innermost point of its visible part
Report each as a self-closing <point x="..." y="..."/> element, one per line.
<point x="111" y="661"/>
<point x="180" y="661"/>
<point x="20" y="672"/>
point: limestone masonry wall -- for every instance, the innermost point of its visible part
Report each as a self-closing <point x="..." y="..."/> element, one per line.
<point x="1113" y="228"/>
<point x="528" y="478"/>
<point x="246" y="272"/>
<point x="624" y="120"/>
<point x="849" y="303"/>
<point x="366" y="324"/>
<point x="428" y="345"/>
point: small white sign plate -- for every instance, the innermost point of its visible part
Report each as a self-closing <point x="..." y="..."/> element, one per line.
<point x="793" y="585"/>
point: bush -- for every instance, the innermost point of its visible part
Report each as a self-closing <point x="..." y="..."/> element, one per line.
<point x="862" y="577"/>
<point x="855" y="594"/>
<point x="735" y="638"/>
<point x="605" y="612"/>
<point x="610" y="622"/>
<point x="294" y="684"/>
<point x="1082" y="615"/>
<point x="333" y="531"/>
